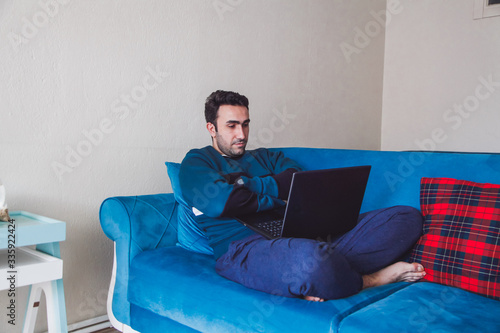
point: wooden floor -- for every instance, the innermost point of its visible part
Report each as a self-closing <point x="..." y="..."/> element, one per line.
<point x="107" y="330"/>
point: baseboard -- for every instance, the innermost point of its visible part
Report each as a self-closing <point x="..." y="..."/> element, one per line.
<point x="90" y="325"/>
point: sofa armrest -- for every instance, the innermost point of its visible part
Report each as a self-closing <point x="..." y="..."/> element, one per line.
<point x="136" y="224"/>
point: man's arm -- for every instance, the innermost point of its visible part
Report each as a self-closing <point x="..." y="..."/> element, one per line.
<point x="276" y="186"/>
<point x="210" y="192"/>
<point x="278" y="183"/>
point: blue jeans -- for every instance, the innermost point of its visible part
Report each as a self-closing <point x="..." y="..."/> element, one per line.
<point x="297" y="267"/>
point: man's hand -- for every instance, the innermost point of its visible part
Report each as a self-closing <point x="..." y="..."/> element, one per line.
<point x="260" y="185"/>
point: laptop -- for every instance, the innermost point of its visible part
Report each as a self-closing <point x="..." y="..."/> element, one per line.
<point x="321" y="205"/>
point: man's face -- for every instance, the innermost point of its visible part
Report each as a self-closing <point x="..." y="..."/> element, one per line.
<point x="231" y="135"/>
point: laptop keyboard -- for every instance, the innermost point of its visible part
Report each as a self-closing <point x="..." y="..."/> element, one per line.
<point x="272" y="227"/>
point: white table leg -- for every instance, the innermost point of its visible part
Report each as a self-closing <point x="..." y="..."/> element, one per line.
<point x="32" y="309"/>
<point x="56" y="308"/>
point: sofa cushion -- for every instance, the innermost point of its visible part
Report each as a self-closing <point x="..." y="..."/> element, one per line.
<point x="183" y="286"/>
<point x="190" y="235"/>
<point x="427" y="307"/>
<point x="461" y="242"/>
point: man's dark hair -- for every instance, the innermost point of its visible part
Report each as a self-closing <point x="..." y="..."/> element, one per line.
<point x="218" y="98"/>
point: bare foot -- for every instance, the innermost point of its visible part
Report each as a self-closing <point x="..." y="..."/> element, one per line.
<point x="397" y="272"/>
<point x="313" y="299"/>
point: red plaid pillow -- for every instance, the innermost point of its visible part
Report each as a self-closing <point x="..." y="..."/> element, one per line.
<point x="460" y="246"/>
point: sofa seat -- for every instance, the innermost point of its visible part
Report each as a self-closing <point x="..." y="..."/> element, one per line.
<point x="428" y="307"/>
<point x="183" y="286"/>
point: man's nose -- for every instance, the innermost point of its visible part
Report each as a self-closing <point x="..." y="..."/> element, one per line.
<point x="240" y="132"/>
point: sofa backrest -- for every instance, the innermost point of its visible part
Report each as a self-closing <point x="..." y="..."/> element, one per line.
<point x="395" y="176"/>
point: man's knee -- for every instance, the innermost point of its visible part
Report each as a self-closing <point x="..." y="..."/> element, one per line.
<point x="411" y="217"/>
<point x="408" y="210"/>
<point x="326" y="274"/>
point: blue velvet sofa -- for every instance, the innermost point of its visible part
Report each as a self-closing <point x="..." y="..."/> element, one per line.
<point x="160" y="286"/>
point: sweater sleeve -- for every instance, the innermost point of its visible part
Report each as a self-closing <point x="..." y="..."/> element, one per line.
<point x="278" y="183"/>
<point x="206" y="189"/>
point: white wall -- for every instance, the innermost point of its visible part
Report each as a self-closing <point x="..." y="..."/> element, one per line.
<point x="78" y="124"/>
<point x="437" y="60"/>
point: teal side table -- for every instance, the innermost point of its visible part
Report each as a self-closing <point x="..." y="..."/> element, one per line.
<point x="40" y="268"/>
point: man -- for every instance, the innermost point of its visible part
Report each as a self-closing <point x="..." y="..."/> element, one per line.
<point x="224" y="180"/>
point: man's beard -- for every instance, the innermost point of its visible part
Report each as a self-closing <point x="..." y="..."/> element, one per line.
<point x="228" y="149"/>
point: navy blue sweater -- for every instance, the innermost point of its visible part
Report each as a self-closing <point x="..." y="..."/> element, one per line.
<point x="208" y="183"/>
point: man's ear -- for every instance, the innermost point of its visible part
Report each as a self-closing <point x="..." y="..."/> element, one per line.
<point x="211" y="129"/>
